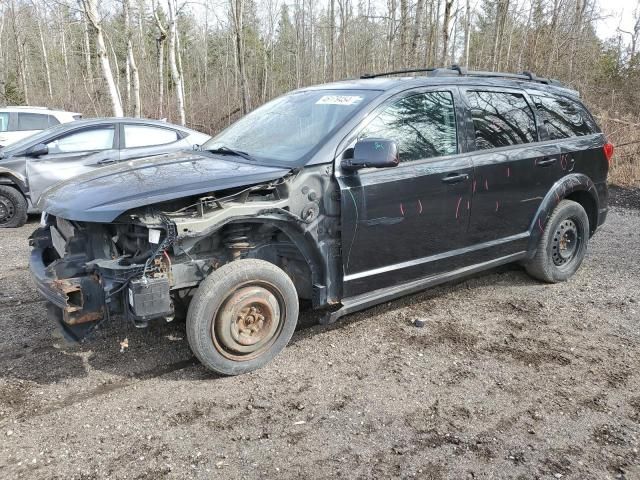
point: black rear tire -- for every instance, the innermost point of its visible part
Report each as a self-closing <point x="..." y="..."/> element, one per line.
<point x="563" y="244"/>
<point x="13" y="207"/>
<point x="242" y="316"/>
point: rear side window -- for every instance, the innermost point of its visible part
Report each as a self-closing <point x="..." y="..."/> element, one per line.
<point x="423" y="126"/>
<point x="501" y="119"/>
<point x="146" y="136"/>
<point x="35" y="121"/>
<point x="4" y="122"/>
<point x="563" y="118"/>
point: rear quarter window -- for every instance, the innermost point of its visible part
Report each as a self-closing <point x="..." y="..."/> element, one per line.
<point x="563" y="118"/>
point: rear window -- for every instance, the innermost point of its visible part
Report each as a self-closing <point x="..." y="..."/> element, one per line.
<point x="501" y="119"/>
<point x="563" y="118"/>
<point x="35" y="121"/>
<point x="147" y="136"/>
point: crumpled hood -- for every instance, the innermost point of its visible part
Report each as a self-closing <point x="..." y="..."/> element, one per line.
<point x="104" y="194"/>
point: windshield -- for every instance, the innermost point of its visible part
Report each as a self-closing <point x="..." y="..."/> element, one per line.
<point x="22" y="144"/>
<point x="291" y="127"/>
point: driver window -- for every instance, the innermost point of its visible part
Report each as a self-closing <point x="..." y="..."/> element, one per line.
<point x="85" y="140"/>
<point x="422" y="125"/>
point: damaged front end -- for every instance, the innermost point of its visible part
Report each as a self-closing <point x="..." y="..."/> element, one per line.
<point x="88" y="271"/>
<point x="147" y="262"/>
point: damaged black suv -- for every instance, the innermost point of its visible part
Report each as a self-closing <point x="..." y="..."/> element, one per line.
<point x="341" y="195"/>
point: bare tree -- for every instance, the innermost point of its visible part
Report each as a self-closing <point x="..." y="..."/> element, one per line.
<point x="173" y="60"/>
<point x="132" y="68"/>
<point x="91" y="12"/>
<point x="237" y="13"/>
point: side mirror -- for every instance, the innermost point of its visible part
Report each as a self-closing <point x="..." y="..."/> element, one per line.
<point x="37" y="150"/>
<point x="372" y="153"/>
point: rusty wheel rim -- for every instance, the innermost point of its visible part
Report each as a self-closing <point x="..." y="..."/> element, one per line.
<point x="248" y="321"/>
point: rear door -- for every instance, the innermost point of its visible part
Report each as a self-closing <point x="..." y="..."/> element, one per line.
<point x="406" y="222"/>
<point x="140" y="140"/>
<point x="513" y="171"/>
<point x="72" y="154"/>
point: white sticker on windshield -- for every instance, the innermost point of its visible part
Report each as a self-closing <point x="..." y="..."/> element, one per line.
<point x="339" y="100"/>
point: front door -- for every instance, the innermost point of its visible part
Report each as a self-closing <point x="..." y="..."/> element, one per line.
<point x="406" y="222"/>
<point x="71" y="154"/>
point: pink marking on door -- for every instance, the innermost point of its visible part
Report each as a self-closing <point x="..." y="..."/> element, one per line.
<point x="458" y="207"/>
<point x="508" y="171"/>
<point x="419" y="206"/>
<point x="402" y="209"/>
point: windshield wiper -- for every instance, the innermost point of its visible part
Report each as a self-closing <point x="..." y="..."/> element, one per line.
<point x="231" y="151"/>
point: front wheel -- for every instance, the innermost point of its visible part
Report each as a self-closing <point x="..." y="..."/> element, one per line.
<point x="563" y="244"/>
<point x="242" y="316"/>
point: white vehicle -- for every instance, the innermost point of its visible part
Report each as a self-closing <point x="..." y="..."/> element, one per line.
<point x="17" y="123"/>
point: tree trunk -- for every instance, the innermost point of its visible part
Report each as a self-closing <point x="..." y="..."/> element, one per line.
<point x="448" y="4"/>
<point x="173" y="65"/>
<point x="132" y="68"/>
<point x="91" y="12"/>
<point x="160" y="41"/>
<point x="45" y="57"/>
<point x="237" y="11"/>
<point x="404" y="25"/>
<point x="467" y="33"/>
<point x="332" y="37"/>
<point x="417" y="28"/>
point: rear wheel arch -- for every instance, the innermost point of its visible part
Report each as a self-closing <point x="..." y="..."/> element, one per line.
<point x="589" y="202"/>
<point x="576" y="187"/>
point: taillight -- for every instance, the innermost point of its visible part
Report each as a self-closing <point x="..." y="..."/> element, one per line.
<point x="608" y="151"/>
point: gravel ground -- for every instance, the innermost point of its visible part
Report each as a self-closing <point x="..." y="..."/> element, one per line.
<point x="509" y="378"/>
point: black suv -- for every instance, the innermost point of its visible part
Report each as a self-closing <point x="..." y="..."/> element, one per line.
<point x="343" y="195"/>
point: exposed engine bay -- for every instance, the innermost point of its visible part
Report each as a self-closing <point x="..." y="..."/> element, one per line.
<point x="147" y="262"/>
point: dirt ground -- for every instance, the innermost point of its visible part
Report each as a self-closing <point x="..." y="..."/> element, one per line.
<point x="509" y="378"/>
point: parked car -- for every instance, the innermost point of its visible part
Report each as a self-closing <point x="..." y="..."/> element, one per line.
<point x="344" y="195"/>
<point x="17" y="123"/>
<point x="30" y="166"/>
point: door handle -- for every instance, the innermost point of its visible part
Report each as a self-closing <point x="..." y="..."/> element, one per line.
<point x="455" y="178"/>
<point x="546" y="162"/>
<point x="106" y="161"/>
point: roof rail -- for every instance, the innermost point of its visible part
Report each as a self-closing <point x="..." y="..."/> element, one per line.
<point x="461" y="71"/>
<point x="396" y="72"/>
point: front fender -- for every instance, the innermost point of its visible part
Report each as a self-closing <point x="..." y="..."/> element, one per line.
<point x="575" y="182"/>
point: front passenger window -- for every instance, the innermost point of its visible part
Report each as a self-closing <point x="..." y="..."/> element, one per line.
<point x="85" y="140"/>
<point x="423" y="125"/>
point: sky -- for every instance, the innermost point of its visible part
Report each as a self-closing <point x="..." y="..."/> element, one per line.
<point x="617" y="14"/>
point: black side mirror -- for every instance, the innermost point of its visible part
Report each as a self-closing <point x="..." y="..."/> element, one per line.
<point x="37" y="150"/>
<point x="372" y="153"/>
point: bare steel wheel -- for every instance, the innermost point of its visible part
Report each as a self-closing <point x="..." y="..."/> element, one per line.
<point x="565" y="242"/>
<point x="562" y="245"/>
<point x="242" y="316"/>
